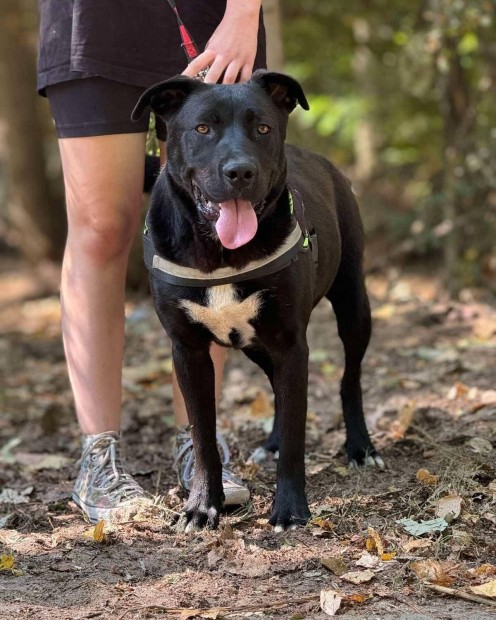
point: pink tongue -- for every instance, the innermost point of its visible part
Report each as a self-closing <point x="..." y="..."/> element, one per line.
<point x="237" y="223"/>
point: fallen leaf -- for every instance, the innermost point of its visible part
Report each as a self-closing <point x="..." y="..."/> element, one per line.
<point x="6" y="562"/>
<point x="449" y="507"/>
<point x="5" y="519"/>
<point x="335" y="564"/>
<point x="485" y="569"/>
<point x="433" y="571"/>
<point x="424" y="527"/>
<point x="324" y="524"/>
<point x="34" y="461"/>
<point x="328" y="369"/>
<point x="261" y="407"/>
<point x="486" y="589"/>
<point x="457" y="391"/>
<point x="96" y="533"/>
<point x="384" y="312"/>
<point x="479" y="445"/>
<point x="427" y="478"/>
<point x="357" y="577"/>
<point x="357" y="598"/>
<point x="488" y="397"/>
<point x="12" y="496"/>
<point x="416" y="544"/>
<point x="387" y="557"/>
<point x="375" y="541"/>
<point x="367" y="560"/>
<point x="330" y="602"/>
<point x="403" y="422"/>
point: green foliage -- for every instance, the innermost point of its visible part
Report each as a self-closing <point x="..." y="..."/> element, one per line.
<point x="421" y="76"/>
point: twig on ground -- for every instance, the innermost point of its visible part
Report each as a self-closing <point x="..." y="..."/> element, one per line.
<point x="460" y="594"/>
<point x="231" y="610"/>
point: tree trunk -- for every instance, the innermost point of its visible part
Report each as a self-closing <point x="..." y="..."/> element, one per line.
<point x="364" y="138"/>
<point x="457" y="117"/>
<point x="37" y="222"/>
<point x="272" y="20"/>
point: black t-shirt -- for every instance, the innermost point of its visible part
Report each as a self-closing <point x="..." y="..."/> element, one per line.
<point x="132" y="41"/>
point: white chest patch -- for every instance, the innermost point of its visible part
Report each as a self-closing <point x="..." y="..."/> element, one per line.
<point x="226" y="315"/>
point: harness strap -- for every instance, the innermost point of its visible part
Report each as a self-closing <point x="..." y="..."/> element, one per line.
<point x="179" y="275"/>
<point x="297" y="242"/>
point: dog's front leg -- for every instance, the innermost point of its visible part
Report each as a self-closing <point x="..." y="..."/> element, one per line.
<point x="195" y="375"/>
<point x="290" y="387"/>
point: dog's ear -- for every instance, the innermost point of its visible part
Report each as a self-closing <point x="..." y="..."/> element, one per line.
<point x="284" y="90"/>
<point x="166" y="97"/>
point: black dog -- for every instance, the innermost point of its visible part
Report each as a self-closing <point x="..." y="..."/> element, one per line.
<point x="232" y="262"/>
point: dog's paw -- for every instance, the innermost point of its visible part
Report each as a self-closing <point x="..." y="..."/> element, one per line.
<point x="197" y="519"/>
<point x="289" y="512"/>
<point x="202" y="510"/>
<point x="361" y="458"/>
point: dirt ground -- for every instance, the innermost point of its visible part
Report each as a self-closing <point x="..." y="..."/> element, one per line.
<point x="430" y="399"/>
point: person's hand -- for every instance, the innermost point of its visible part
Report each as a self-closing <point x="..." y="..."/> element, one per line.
<point x="232" y="48"/>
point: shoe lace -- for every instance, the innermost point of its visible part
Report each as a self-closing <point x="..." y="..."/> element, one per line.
<point x="188" y="471"/>
<point x="109" y="473"/>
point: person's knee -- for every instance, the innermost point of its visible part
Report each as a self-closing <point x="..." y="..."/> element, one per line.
<point x="105" y="234"/>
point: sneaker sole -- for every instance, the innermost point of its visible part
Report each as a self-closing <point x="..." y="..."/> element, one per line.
<point x="93" y="513"/>
<point x="236" y="497"/>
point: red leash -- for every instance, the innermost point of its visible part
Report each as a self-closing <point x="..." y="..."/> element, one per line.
<point x="189" y="46"/>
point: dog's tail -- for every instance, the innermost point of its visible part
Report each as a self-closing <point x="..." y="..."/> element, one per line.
<point x="152" y="169"/>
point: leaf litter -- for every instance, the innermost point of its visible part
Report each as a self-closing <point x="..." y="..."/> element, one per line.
<point x="244" y="566"/>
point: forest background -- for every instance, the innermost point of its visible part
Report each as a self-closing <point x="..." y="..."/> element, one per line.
<point x="402" y="97"/>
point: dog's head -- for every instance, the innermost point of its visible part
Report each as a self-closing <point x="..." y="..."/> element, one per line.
<point x="225" y="145"/>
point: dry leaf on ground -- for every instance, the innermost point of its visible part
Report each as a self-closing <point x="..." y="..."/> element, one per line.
<point x="433" y="571"/>
<point x="403" y="422"/>
<point x="34" y="461"/>
<point x="449" y="507"/>
<point x="416" y="544"/>
<point x="486" y="589"/>
<point x="335" y="564"/>
<point x="330" y="601"/>
<point x="374" y="542"/>
<point x="12" y="496"/>
<point x="7" y="562"/>
<point x="357" y="577"/>
<point x="424" y="527"/>
<point x="367" y="560"/>
<point x="425" y="477"/>
<point x="96" y="533"/>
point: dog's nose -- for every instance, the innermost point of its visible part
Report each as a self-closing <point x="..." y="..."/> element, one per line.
<point x="240" y="173"/>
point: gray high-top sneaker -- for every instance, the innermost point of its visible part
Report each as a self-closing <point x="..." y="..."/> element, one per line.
<point x="235" y="491"/>
<point x="102" y="487"/>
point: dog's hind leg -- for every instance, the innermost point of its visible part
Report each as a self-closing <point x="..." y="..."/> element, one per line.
<point x="271" y="445"/>
<point x="351" y="306"/>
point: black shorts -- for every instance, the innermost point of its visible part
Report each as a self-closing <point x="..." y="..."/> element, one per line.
<point x="96" y="106"/>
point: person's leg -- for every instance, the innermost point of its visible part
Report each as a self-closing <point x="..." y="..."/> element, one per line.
<point x="103" y="178"/>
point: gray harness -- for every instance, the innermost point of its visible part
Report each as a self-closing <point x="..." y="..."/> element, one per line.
<point x="298" y="241"/>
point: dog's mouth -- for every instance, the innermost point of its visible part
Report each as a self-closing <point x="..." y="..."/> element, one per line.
<point x="235" y="219"/>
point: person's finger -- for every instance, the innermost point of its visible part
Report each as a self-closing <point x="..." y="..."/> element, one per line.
<point x="246" y="73"/>
<point x="231" y="73"/>
<point x="199" y="63"/>
<point x="216" y="69"/>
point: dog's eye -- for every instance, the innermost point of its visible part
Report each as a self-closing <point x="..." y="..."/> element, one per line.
<point x="203" y="129"/>
<point x="263" y="129"/>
